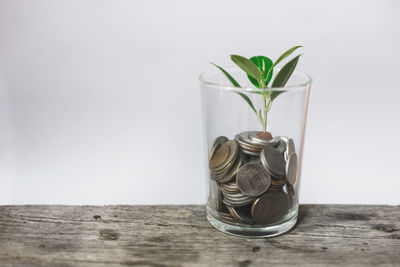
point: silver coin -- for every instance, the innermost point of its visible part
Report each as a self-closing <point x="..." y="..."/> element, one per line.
<point x="239" y="201"/>
<point x="273" y="161"/>
<point x="246" y="140"/>
<point x="245" y="137"/>
<point x="289" y="189"/>
<point x="228" y="190"/>
<point x="284" y="138"/>
<point x="274" y="141"/>
<point x="291" y="169"/>
<point x="252" y="179"/>
<point x="271" y="207"/>
<point x="239" y="140"/>
<point x="254" y="154"/>
<point x="290" y="147"/>
<point x="281" y="147"/>
<point x="250" y="150"/>
<point x="230" y="187"/>
<point x="246" y="146"/>
<point x="233" y="203"/>
<point x="253" y="136"/>
<point x="235" y="196"/>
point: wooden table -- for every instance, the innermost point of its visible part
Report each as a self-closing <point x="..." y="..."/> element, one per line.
<point x="180" y="236"/>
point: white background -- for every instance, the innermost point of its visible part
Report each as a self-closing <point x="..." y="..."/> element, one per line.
<point x="99" y="100"/>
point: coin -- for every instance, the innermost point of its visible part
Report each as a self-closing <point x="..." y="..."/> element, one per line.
<point x="242" y="214"/>
<point x="229" y="170"/>
<point x="228" y="156"/>
<point x="225" y="216"/>
<point x="218" y="174"/>
<point x="234" y="150"/>
<point x="270" y="207"/>
<point x="284" y="138"/>
<point x="245" y="136"/>
<point x="265" y="135"/>
<point x="221" y="171"/>
<point x="232" y="172"/>
<point x="273" y="161"/>
<point x="235" y="196"/>
<point x="218" y="142"/>
<point x="274" y="188"/>
<point x="290" y="190"/>
<point x="235" y="199"/>
<point x="281" y="147"/>
<point x="290" y="147"/>
<point x="219" y="157"/>
<point x="247" y="143"/>
<point x="250" y="148"/>
<point x="237" y="203"/>
<point x="255" y="154"/>
<point x="262" y="138"/>
<point x="291" y="169"/>
<point x="252" y="179"/>
<point x="278" y="183"/>
<point x="230" y="187"/>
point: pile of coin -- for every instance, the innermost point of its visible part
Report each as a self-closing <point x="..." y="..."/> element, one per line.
<point x="253" y="142"/>
<point x="252" y="177"/>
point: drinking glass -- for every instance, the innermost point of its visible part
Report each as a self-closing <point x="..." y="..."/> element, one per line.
<point x="253" y="173"/>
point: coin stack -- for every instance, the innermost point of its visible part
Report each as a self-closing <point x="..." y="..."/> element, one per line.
<point x="252" y="177"/>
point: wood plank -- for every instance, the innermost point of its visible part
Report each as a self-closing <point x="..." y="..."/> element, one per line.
<point x="180" y="236"/>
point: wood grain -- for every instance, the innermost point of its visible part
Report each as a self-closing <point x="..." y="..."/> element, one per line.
<point x="180" y="236"/>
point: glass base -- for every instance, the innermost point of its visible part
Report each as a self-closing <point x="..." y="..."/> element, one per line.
<point x="252" y="231"/>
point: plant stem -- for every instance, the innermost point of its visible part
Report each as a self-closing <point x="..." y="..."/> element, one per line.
<point x="266" y="107"/>
<point x="265" y="113"/>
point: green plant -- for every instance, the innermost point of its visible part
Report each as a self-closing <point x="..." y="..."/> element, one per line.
<point x="259" y="70"/>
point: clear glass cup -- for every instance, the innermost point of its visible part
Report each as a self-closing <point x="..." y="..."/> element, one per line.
<point x="252" y="180"/>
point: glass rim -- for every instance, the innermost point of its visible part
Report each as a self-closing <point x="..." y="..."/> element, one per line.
<point x="203" y="80"/>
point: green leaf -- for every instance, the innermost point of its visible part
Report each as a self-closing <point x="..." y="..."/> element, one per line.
<point x="274" y="94"/>
<point x="230" y="78"/>
<point x="264" y="64"/>
<point x="236" y="84"/>
<point x="285" y="55"/>
<point x="246" y="65"/>
<point x="283" y="76"/>
<point x="247" y="99"/>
